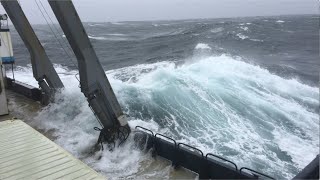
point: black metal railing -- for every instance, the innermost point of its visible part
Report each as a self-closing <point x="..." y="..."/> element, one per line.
<point x="185" y="155"/>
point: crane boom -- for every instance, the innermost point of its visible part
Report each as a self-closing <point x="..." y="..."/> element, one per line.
<point x="93" y="80"/>
<point x="42" y="67"/>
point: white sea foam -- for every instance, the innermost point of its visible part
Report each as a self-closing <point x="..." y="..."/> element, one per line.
<point x="97" y="37"/>
<point x="111" y="37"/>
<point x="257" y="40"/>
<point x="117" y="23"/>
<point x="280" y="21"/>
<point x="166" y="24"/>
<point x="216" y="30"/>
<point x="115" y="34"/>
<point x="242" y="36"/>
<point x="244" y="28"/>
<point x="219" y="104"/>
<point x="202" y="46"/>
<point x="97" y="24"/>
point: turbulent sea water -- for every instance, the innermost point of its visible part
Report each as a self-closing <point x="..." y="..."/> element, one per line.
<point x="243" y="88"/>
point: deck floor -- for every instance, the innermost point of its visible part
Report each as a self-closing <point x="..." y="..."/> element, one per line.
<point x="27" y="154"/>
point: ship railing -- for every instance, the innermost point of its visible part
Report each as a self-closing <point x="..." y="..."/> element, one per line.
<point x="209" y="166"/>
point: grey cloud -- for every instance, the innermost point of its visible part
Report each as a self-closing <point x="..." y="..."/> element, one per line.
<point x="131" y="10"/>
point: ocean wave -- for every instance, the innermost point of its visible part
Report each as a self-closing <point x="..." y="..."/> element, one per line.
<point x="112" y="37"/>
<point x="242" y="36"/>
<point x="216" y="30"/>
<point x="202" y="46"/>
<point x="97" y="37"/>
<point x="205" y="101"/>
<point x="117" y="23"/>
<point x="166" y="24"/>
<point x="244" y="28"/>
<point x="256" y="40"/>
<point x="170" y="33"/>
<point x="280" y="21"/>
<point x="218" y="104"/>
<point x="115" y="34"/>
<point x="242" y="24"/>
<point x="93" y="25"/>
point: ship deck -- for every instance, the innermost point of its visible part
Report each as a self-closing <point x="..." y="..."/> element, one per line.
<point x="27" y="154"/>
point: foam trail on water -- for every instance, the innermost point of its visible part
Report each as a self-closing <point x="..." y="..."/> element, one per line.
<point x="97" y="37"/>
<point x="112" y="37"/>
<point x="219" y="104"/>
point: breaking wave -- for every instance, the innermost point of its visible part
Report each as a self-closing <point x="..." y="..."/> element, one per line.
<point x="96" y="24"/>
<point x="242" y="36"/>
<point x="110" y="37"/>
<point x="219" y="104"/>
<point x="115" y="34"/>
<point x="280" y="21"/>
<point x="216" y="30"/>
<point x="244" y="28"/>
<point x="202" y="46"/>
<point x="97" y="37"/>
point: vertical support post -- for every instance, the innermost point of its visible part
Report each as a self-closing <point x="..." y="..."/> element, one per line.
<point x="3" y="97"/>
<point x="43" y="70"/>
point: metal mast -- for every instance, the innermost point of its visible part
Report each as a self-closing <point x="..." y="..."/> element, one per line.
<point x="93" y="80"/>
<point x="43" y="70"/>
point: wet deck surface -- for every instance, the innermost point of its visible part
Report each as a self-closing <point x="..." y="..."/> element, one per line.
<point x="5" y="117"/>
<point x="27" y="154"/>
<point x="21" y="106"/>
<point x="19" y="158"/>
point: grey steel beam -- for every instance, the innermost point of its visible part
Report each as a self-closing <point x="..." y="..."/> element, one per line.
<point x="93" y="80"/>
<point x="42" y="67"/>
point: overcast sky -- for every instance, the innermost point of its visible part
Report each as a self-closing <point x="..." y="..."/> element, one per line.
<point x="132" y="10"/>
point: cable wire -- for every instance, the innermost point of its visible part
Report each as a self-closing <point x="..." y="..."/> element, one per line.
<point x="55" y="34"/>
<point x="53" y="24"/>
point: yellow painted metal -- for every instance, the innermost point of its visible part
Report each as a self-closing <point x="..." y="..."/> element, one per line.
<point x="27" y="154"/>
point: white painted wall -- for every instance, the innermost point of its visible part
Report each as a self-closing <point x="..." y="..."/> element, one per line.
<point x="3" y="97"/>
